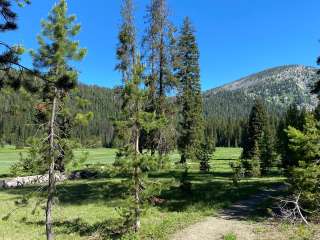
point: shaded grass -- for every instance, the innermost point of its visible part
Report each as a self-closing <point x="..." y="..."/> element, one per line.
<point x="88" y="208"/>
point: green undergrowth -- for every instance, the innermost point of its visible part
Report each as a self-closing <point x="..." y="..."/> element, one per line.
<point x="89" y="209"/>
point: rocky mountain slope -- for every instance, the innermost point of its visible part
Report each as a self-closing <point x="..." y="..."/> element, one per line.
<point x="278" y="87"/>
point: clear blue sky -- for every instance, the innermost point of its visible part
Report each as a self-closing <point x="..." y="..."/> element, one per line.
<point x="236" y="37"/>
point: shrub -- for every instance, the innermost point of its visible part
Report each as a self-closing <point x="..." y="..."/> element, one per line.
<point x="204" y="156"/>
<point x="304" y="180"/>
<point x="251" y="167"/>
<point x="230" y="236"/>
<point x="238" y="171"/>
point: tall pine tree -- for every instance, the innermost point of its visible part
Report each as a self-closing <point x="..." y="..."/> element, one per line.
<point x="267" y="151"/>
<point x="126" y="48"/>
<point x="255" y="128"/>
<point x="57" y="49"/>
<point x="294" y="118"/>
<point x="159" y="53"/>
<point x="130" y="159"/>
<point x="158" y="44"/>
<point x="253" y="144"/>
<point x="191" y="123"/>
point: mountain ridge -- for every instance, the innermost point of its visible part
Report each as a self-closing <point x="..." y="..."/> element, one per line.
<point x="282" y="85"/>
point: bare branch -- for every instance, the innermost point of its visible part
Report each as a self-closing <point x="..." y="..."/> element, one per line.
<point x="291" y="210"/>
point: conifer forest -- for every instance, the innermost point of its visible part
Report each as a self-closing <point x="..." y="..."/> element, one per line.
<point x="158" y="150"/>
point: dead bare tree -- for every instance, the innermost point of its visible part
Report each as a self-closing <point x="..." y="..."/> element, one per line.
<point x="291" y="210"/>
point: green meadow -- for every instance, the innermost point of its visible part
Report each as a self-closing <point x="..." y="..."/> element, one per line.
<point x="89" y="209"/>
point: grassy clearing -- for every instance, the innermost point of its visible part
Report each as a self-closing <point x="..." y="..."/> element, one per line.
<point x="88" y="207"/>
<point x="103" y="156"/>
<point x="9" y="155"/>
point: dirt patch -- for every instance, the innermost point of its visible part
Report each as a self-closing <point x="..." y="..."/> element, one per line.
<point x="214" y="228"/>
<point x="234" y="220"/>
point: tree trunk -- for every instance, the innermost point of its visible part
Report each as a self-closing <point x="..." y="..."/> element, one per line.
<point x="137" y="211"/>
<point x="137" y="222"/>
<point x="161" y="77"/>
<point x="52" y="180"/>
<point x="183" y="159"/>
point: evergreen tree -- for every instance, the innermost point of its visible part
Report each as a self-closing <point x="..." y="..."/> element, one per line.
<point x="316" y="87"/>
<point x="316" y="90"/>
<point x="256" y="124"/>
<point x="301" y="152"/>
<point x="294" y="118"/>
<point x="57" y="48"/>
<point x="253" y="145"/>
<point x="210" y="137"/>
<point x="191" y="123"/>
<point x="317" y="112"/>
<point x="159" y="53"/>
<point x="129" y="158"/>
<point x="126" y="49"/>
<point x="304" y="177"/>
<point x="159" y="44"/>
<point x="267" y="148"/>
<point x="204" y="154"/>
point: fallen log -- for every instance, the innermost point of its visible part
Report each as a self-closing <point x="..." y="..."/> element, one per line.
<point x="40" y="179"/>
<point x="29" y="180"/>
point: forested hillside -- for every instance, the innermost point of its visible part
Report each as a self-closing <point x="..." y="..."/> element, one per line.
<point x="226" y="108"/>
<point x="18" y="111"/>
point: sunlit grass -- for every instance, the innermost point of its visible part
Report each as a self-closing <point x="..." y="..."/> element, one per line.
<point x="102" y="156"/>
<point x="86" y="207"/>
<point x="9" y="155"/>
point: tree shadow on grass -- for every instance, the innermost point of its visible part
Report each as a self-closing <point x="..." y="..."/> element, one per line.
<point x="108" y="229"/>
<point x="5" y="175"/>
<point x="78" y="192"/>
<point x="193" y="175"/>
<point x="210" y="191"/>
<point x="210" y="195"/>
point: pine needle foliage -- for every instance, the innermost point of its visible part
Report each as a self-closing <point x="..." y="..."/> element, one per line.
<point x="191" y="122"/>
<point x="57" y="48"/>
<point x="130" y="160"/>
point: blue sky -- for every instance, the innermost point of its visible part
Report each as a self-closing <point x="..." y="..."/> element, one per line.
<point x="236" y="37"/>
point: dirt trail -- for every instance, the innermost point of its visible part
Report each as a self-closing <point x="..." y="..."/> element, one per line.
<point x="233" y="220"/>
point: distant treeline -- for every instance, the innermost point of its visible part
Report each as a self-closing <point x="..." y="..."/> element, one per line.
<point x="226" y="114"/>
<point x="17" y="122"/>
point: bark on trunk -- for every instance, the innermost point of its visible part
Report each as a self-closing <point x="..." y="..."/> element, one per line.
<point x="137" y="222"/>
<point x="161" y="77"/>
<point x="51" y="185"/>
<point x="183" y="158"/>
